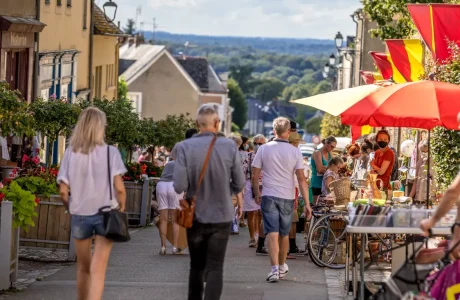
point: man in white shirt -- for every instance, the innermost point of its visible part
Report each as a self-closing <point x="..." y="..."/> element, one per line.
<point x="279" y="161"/>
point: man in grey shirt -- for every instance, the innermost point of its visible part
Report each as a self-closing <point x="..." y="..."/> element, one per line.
<point x="214" y="211"/>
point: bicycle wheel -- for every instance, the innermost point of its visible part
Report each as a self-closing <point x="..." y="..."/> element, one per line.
<point x="339" y="234"/>
<point x="322" y="246"/>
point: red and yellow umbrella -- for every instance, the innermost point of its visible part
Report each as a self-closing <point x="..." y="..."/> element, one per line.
<point x="422" y="104"/>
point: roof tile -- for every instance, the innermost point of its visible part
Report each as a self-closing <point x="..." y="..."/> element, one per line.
<point x="102" y="26"/>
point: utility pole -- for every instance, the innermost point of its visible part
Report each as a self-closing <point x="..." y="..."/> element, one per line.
<point x="154" y="27"/>
<point x="154" y="30"/>
<point x="138" y="13"/>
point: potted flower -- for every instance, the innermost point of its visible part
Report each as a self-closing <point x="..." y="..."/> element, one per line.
<point x="49" y="224"/>
<point x="139" y="190"/>
<point x="24" y="203"/>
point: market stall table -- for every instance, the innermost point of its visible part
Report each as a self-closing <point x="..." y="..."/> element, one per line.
<point x="363" y="231"/>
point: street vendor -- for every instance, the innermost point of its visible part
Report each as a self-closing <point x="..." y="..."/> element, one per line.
<point x="383" y="162"/>
<point x="319" y="162"/>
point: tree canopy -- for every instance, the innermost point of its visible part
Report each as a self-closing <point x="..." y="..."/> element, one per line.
<point x="130" y="27"/>
<point x="313" y="125"/>
<point x="122" y="121"/>
<point x="445" y="143"/>
<point x="238" y="102"/>
<point x="14" y="115"/>
<point x="331" y="125"/>
<point x="392" y="17"/>
<point x="243" y="76"/>
<point x="54" y="118"/>
<point x="268" y="89"/>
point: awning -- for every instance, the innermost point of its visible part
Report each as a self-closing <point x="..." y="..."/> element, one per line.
<point x="18" y="24"/>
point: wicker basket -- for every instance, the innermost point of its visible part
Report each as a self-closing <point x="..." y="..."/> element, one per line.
<point x="342" y="190"/>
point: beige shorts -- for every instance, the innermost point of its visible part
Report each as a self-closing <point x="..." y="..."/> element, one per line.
<point x="166" y="196"/>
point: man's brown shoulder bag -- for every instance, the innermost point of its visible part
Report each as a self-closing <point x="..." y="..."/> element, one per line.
<point x="187" y="212"/>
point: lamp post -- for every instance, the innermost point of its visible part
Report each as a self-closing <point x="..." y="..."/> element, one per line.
<point x="110" y="8"/>
<point x="327" y="69"/>
<point x="338" y="40"/>
<point x="346" y="52"/>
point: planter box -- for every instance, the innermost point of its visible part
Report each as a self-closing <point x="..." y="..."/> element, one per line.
<point x="139" y="202"/>
<point x="9" y="239"/>
<point x="52" y="227"/>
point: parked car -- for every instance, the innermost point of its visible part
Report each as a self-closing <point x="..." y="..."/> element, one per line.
<point x="306" y="151"/>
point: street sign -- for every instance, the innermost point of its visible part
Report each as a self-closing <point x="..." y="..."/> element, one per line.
<point x="315" y="139"/>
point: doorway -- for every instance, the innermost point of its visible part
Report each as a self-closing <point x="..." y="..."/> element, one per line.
<point x="17" y="67"/>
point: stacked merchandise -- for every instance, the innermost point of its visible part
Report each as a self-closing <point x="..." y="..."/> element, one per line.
<point x="370" y="216"/>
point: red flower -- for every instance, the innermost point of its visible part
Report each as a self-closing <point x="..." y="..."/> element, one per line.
<point x="7" y="180"/>
<point x="25" y="158"/>
<point x="2" y="196"/>
<point x="36" y="160"/>
<point x="37" y="200"/>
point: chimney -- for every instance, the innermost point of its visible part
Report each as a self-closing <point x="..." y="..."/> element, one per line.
<point x="131" y="41"/>
<point x="139" y="40"/>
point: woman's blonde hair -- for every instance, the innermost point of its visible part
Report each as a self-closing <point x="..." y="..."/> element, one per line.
<point x="89" y="131"/>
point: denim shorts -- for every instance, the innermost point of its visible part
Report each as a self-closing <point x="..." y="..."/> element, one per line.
<point x="277" y="214"/>
<point x="84" y="227"/>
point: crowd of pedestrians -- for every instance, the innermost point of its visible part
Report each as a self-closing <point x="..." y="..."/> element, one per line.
<point x="240" y="176"/>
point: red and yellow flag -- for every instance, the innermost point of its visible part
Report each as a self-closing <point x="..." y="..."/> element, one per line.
<point x="407" y="56"/>
<point x="385" y="64"/>
<point x="438" y="25"/>
<point x="358" y="131"/>
<point x="370" y="77"/>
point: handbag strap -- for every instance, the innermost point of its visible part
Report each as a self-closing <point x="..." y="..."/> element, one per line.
<point x="205" y="164"/>
<point x="250" y="166"/>
<point x="108" y="169"/>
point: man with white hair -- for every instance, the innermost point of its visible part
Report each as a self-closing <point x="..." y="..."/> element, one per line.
<point x="208" y="237"/>
<point x="279" y="161"/>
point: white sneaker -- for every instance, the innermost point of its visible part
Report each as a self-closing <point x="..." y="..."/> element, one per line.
<point x="176" y="251"/>
<point x="284" y="270"/>
<point x="163" y="251"/>
<point x="273" y="277"/>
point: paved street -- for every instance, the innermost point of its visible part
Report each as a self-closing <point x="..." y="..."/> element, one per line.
<point x="137" y="271"/>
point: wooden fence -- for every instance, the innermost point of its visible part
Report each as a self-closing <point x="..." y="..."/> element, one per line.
<point x="52" y="227"/>
<point x="9" y="241"/>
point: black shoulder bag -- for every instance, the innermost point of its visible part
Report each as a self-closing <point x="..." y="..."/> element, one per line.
<point x="115" y="221"/>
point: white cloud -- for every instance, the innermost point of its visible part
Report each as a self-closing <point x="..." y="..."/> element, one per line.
<point x="268" y="18"/>
<point x="172" y="3"/>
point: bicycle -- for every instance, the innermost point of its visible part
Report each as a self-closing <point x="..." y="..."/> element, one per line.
<point x="324" y="238"/>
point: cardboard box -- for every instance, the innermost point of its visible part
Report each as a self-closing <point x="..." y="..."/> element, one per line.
<point x="182" y="243"/>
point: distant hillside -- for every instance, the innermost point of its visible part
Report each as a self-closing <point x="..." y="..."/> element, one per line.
<point x="276" y="45"/>
<point x="275" y="68"/>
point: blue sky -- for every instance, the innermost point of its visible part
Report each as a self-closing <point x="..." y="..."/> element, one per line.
<point x="266" y="18"/>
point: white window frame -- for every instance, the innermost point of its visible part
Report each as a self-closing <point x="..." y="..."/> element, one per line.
<point x="136" y="103"/>
<point x="45" y="94"/>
